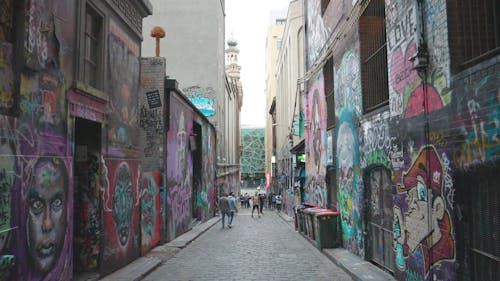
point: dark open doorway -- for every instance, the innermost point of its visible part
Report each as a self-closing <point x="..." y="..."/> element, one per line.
<point x="87" y="222"/>
<point x="196" y="152"/>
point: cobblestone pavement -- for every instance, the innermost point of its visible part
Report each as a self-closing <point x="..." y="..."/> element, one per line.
<point x="265" y="248"/>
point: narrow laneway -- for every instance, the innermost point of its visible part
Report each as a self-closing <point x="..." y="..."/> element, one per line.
<point x="265" y="248"/>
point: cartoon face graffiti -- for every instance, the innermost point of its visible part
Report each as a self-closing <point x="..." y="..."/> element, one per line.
<point x="123" y="202"/>
<point x="46" y="217"/>
<point x="426" y="224"/>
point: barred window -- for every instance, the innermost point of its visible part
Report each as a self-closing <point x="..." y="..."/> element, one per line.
<point x="373" y="56"/>
<point x="474" y="28"/>
<point x="329" y="93"/>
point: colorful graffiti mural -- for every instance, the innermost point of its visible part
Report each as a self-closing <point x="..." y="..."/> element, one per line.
<point x="121" y="219"/>
<point x="424" y="235"/>
<point x="350" y="193"/>
<point x="87" y="228"/>
<point x="477" y="120"/>
<point x="202" y="98"/>
<point x="348" y="83"/>
<point x="123" y="76"/>
<point x="315" y="135"/>
<point x="179" y="169"/>
<point x="150" y="210"/>
<point x="409" y="91"/>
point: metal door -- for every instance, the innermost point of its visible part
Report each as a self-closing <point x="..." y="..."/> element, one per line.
<point x="479" y="194"/>
<point x="380" y="218"/>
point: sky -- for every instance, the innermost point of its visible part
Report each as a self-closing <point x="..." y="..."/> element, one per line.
<point x="247" y="22"/>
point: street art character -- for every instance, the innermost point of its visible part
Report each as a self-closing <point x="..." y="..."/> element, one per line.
<point x="123" y="202"/>
<point x="46" y="216"/>
<point x="424" y="231"/>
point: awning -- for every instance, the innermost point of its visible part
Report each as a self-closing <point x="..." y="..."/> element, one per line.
<point x="299" y="148"/>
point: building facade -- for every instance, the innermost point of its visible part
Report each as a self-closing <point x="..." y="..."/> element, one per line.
<point x="401" y="132"/>
<point x="230" y="167"/>
<point x="195" y="57"/>
<point x="274" y="42"/>
<point x="252" y="158"/>
<point x="290" y="68"/>
<point x="70" y="154"/>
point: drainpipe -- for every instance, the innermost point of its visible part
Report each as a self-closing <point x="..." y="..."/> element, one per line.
<point x="421" y="64"/>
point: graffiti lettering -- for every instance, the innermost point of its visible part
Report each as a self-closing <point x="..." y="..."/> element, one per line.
<point x="179" y="202"/>
<point x="448" y="181"/>
<point x="151" y="119"/>
<point x="402" y="29"/>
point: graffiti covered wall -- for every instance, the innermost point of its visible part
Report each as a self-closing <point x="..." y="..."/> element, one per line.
<point x="35" y="151"/>
<point x="150" y="210"/>
<point x="121" y="213"/>
<point x="206" y="197"/>
<point x="179" y="170"/>
<point x="315" y="144"/>
<point x="123" y="86"/>
<point x="347" y="87"/>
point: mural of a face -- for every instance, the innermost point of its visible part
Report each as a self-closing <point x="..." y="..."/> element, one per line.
<point x="46" y="217"/>
<point x="123" y="202"/>
<point x="346" y="149"/>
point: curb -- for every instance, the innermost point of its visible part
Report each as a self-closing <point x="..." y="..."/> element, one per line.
<point x="357" y="268"/>
<point x="135" y="270"/>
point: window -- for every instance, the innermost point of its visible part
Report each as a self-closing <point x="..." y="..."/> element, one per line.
<point x="330" y="101"/>
<point x="280" y="21"/>
<point x="279" y="43"/>
<point x="474" y="31"/>
<point x="92" y="55"/>
<point x="373" y="56"/>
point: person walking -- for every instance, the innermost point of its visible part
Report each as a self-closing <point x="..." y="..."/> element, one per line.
<point x="224" y="208"/>
<point x="232" y="209"/>
<point x="256" y="203"/>
<point x="279" y="201"/>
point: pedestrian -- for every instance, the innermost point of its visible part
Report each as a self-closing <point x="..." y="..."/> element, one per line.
<point x="279" y="201"/>
<point x="262" y="199"/>
<point x="224" y="208"/>
<point x="232" y="209"/>
<point x="273" y="201"/>
<point x="256" y="202"/>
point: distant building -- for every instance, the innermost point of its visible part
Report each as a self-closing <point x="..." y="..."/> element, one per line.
<point x="252" y="157"/>
<point x="194" y="49"/>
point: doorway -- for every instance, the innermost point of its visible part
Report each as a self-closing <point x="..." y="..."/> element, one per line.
<point x="87" y="221"/>
<point x="196" y="152"/>
<point x="380" y="217"/>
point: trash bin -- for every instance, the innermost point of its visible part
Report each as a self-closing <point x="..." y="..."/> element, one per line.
<point x="326" y="228"/>
<point x="309" y="218"/>
<point x="307" y="222"/>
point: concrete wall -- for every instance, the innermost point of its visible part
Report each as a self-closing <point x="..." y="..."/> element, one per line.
<point x="193" y="47"/>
